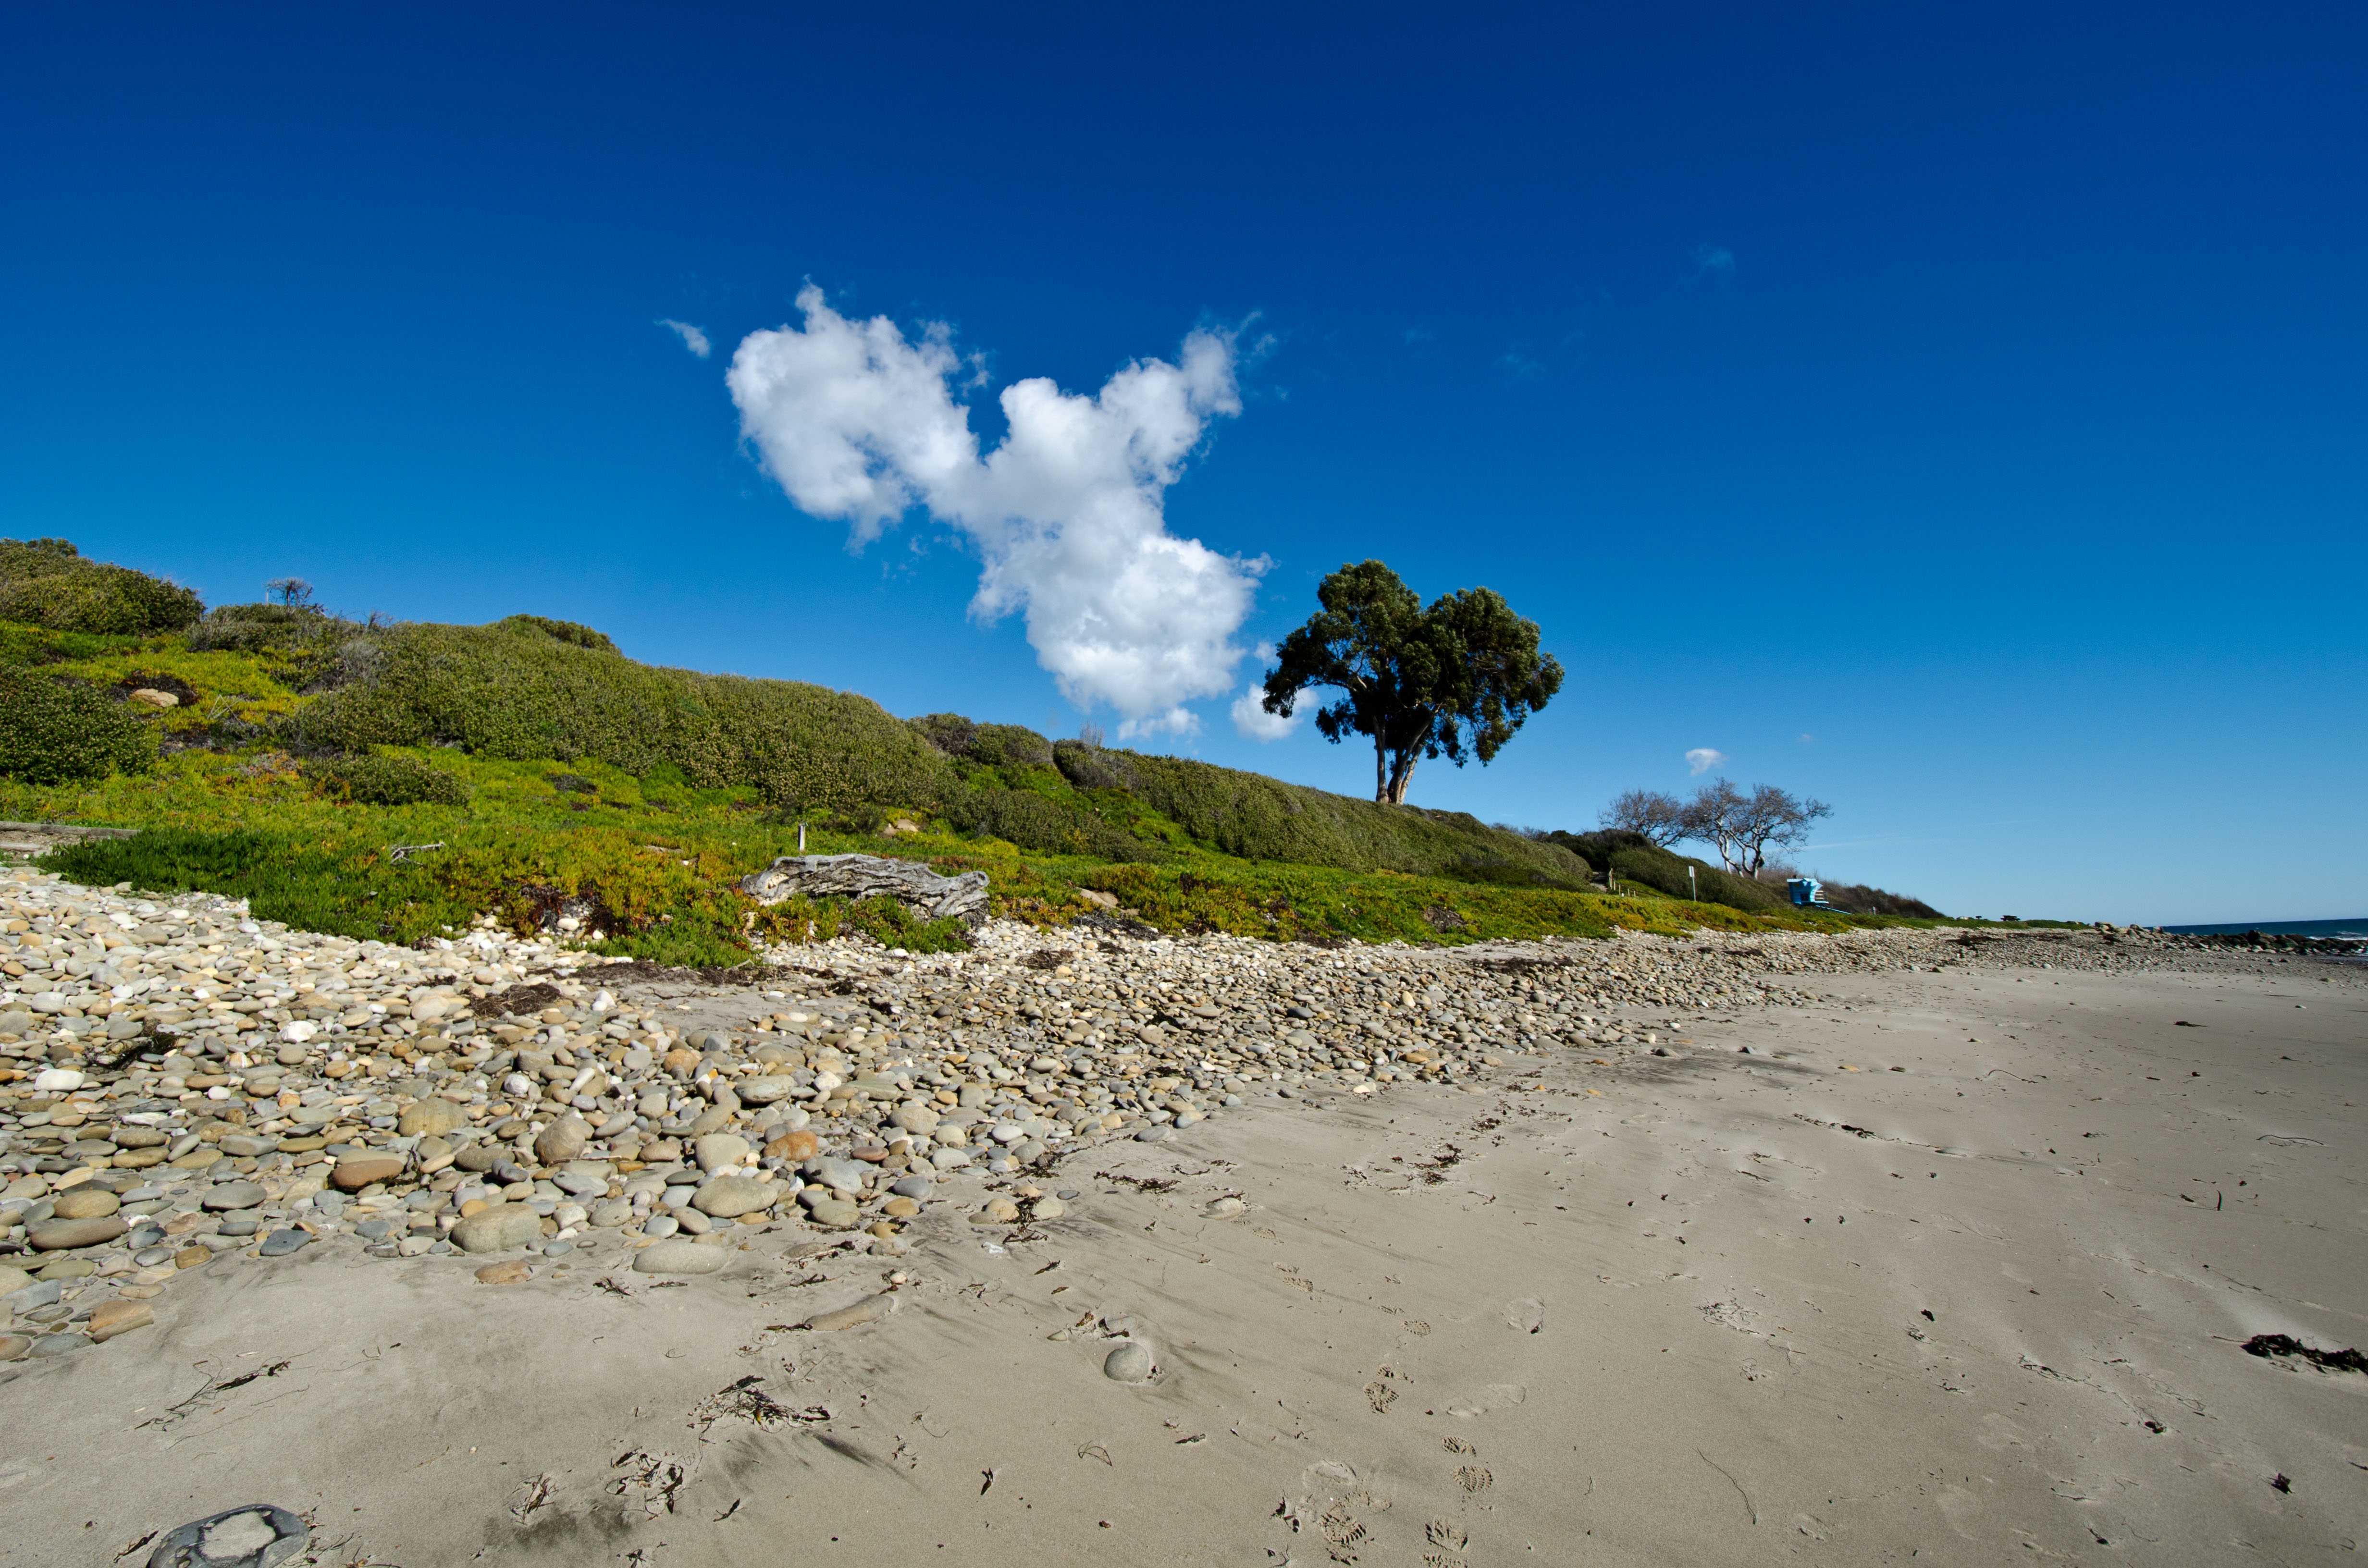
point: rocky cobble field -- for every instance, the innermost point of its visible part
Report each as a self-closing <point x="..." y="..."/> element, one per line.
<point x="183" y="1087"/>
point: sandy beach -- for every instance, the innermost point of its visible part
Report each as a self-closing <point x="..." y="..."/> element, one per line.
<point x="1957" y="1265"/>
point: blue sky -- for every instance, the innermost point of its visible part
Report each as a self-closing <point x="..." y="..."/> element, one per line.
<point x="1953" y="412"/>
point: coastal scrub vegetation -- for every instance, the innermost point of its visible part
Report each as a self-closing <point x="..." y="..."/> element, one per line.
<point x="47" y="583"/>
<point x="392" y="780"/>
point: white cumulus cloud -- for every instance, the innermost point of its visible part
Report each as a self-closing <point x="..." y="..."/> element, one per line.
<point x="692" y="338"/>
<point x="1702" y="759"/>
<point x="858" y="422"/>
<point x="1253" y="723"/>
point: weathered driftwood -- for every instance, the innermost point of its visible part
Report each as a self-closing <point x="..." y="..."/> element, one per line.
<point x="925" y="893"/>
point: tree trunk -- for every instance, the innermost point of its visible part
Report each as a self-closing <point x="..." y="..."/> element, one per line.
<point x="1405" y="776"/>
<point x="1381" y="771"/>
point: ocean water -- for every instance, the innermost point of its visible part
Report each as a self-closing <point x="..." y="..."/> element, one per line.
<point x="2352" y="930"/>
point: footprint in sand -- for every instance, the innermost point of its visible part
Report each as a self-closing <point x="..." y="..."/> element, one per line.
<point x="1474" y="1477"/>
<point x="1380" y="1396"/>
<point x="1416" y="1327"/>
<point x="1526" y="1314"/>
<point x="1440" y="1532"/>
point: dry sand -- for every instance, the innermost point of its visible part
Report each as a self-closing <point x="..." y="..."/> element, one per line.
<point x="1712" y="1308"/>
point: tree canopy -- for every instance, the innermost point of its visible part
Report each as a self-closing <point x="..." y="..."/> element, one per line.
<point x="1458" y="678"/>
<point x="1742" y="824"/>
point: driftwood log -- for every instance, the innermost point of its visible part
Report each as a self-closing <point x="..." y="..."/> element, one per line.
<point x="925" y="893"/>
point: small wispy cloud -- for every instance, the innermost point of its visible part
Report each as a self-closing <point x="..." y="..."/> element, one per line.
<point x="1807" y="739"/>
<point x="692" y="337"/>
<point x="1714" y="259"/>
<point x="1702" y="759"/>
<point x="1518" y="367"/>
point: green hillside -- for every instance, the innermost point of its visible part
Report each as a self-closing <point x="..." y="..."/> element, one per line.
<point x="286" y="753"/>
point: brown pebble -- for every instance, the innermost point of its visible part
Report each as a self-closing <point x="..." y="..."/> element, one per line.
<point x="800" y="1145"/>
<point x="192" y="1257"/>
<point x="511" y="1272"/>
<point x="367" y="1170"/>
<point x="112" y="1318"/>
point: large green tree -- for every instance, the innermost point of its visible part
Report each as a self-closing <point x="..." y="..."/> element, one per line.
<point x="1456" y="677"/>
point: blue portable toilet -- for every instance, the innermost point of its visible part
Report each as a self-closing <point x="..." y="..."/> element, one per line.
<point x="1807" y="892"/>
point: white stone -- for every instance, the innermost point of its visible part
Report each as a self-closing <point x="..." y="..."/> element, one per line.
<point x="57" y="1081"/>
<point x="300" y="1032"/>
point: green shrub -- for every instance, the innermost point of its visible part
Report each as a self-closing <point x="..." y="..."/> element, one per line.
<point x="513" y="695"/>
<point x="989" y="745"/>
<point x="1656" y="868"/>
<point x="1034" y="819"/>
<point x="1010" y="745"/>
<point x="949" y="733"/>
<point x="388" y="781"/>
<point x="1090" y="768"/>
<point x="346" y="894"/>
<point x="250" y="628"/>
<point x="57" y="731"/>
<point x="46" y="582"/>
<point x="1260" y="818"/>
<point x="566" y="631"/>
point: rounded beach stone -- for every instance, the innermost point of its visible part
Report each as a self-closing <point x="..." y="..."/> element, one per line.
<point x="512" y="1271"/>
<point x="112" y="1318"/>
<point x="728" y="1197"/>
<point x="1129" y="1363"/>
<point x="230" y="1195"/>
<point x="279" y="1244"/>
<point x="498" y="1228"/>
<point x="58" y="1236"/>
<point x="86" y="1202"/>
<point x="765" y="1090"/>
<point x="833" y="1214"/>
<point x="365" y="1170"/>
<point x="1047" y="1209"/>
<point x="678" y="1254"/>
<point x="841" y="1176"/>
<point x="719" y="1151"/>
<point x="431" y="1118"/>
<point x="14" y="1347"/>
<point x="562" y="1140"/>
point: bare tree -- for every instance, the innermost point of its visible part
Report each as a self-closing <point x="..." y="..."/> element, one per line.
<point x="293" y="592"/>
<point x="1659" y="817"/>
<point x="1744" y="825"/>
